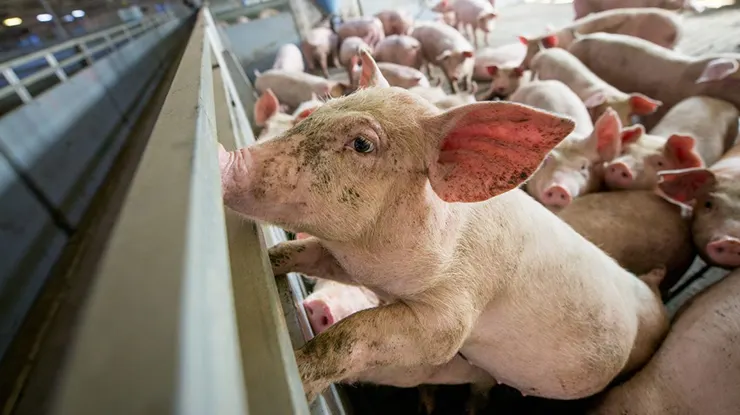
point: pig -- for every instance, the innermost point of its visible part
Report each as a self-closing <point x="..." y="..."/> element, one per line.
<point x="403" y="76"/>
<point x="446" y="14"/>
<point x="332" y="301"/>
<point x="432" y="93"/>
<point x="267" y="114"/>
<point x="368" y="28"/>
<point x="503" y="285"/>
<point x="395" y="22"/>
<point x="448" y="49"/>
<point x="597" y="95"/>
<point x="507" y="56"/>
<point x="456" y="100"/>
<point x="575" y="166"/>
<point x="635" y="65"/>
<point x="696" y="370"/>
<point x="289" y="58"/>
<point x="660" y="27"/>
<point x="694" y="133"/>
<point x="476" y="15"/>
<point x="714" y="193"/>
<point x="400" y="49"/>
<point x="320" y="45"/>
<point x="583" y="8"/>
<point x="638" y="229"/>
<point x="506" y="80"/>
<point x="293" y="88"/>
<point x="348" y="53"/>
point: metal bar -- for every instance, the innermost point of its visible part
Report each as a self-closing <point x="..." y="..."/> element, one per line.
<point x="158" y="334"/>
<point x="17" y="85"/>
<point x="55" y="65"/>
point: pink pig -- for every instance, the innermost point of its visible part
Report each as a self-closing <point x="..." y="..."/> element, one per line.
<point x="400" y="49"/>
<point x="368" y="28"/>
<point x="477" y="15"/>
<point x="289" y="58"/>
<point x="348" y="55"/>
<point x="321" y="44"/>
<point x="448" y="49"/>
<point x="332" y="301"/>
<point x="422" y="207"/>
<point x="267" y="114"/>
<point x="585" y="7"/>
<point x="507" y="56"/>
<point x="694" y="133"/>
<point x="395" y="22"/>
<point x="714" y="193"/>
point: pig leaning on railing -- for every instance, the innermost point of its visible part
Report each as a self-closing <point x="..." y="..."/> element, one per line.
<point x="487" y="282"/>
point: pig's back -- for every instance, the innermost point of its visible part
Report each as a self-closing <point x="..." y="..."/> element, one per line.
<point x="291" y="88"/>
<point x="652" y="24"/>
<point x="697" y="368"/>
<point x="435" y="38"/>
<point x="632" y="65"/>
<point x="555" y="96"/>
<point x="713" y="122"/>
<point x="638" y="229"/>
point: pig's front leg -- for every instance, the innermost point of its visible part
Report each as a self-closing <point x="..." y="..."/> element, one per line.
<point x="306" y="256"/>
<point x="398" y="335"/>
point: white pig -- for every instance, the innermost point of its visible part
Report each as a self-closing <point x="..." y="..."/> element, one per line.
<point x="273" y="122"/>
<point x="507" y="56"/>
<point x="421" y="206"/>
<point x="332" y="301"/>
<point x="448" y="49"/>
<point x="320" y="45"/>
<point x="585" y="7"/>
<point x="395" y="22"/>
<point x="403" y="50"/>
<point x="289" y="58"/>
<point x="476" y="15"/>
<point x="561" y="65"/>
<point x="694" y="133"/>
<point x="348" y="55"/>
<point x="368" y="28"/>
<point x="293" y="88"/>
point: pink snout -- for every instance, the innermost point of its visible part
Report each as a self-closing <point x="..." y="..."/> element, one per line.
<point x="557" y="196"/>
<point x="319" y="314"/>
<point x="619" y="174"/>
<point x="725" y="251"/>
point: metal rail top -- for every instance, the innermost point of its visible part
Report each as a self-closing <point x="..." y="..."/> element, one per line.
<point x="89" y="49"/>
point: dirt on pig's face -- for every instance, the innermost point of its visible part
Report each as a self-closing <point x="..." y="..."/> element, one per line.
<point x="334" y="174"/>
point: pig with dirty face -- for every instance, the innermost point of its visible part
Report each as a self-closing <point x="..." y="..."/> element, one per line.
<point x="422" y="207"/>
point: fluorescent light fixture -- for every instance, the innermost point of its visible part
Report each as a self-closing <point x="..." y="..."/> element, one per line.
<point x="68" y="18"/>
<point x="78" y="13"/>
<point x="12" y="21"/>
<point x="44" y="17"/>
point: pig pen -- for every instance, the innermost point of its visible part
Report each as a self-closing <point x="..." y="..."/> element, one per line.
<point x="713" y="31"/>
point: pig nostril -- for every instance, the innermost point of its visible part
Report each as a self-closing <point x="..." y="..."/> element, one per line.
<point x="562" y="196"/>
<point x="548" y="194"/>
<point x="625" y="175"/>
<point x="325" y="321"/>
<point x="719" y="249"/>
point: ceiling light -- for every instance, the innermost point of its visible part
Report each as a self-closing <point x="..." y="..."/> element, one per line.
<point x="78" y="13"/>
<point x="44" y="17"/>
<point x="12" y="21"/>
<point x="68" y="18"/>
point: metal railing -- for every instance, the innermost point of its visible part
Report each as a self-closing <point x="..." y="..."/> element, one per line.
<point x="61" y="60"/>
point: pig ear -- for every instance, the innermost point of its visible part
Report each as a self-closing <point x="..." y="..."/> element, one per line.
<point x="371" y="75"/>
<point x="518" y="71"/>
<point x="524" y="40"/>
<point x="267" y="106"/>
<point x="718" y="69"/>
<point x="683" y="186"/>
<point x="681" y="151"/>
<point x="467" y="54"/>
<point x="488" y="148"/>
<point x="607" y="135"/>
<point x="303" y="114"/>
<point x="595" y="100"/>
<point x="444" y="55"/>
<point x="642" y="105"/>
<point x="550" y="41"/>
<point x="632" y="133"/>
<point x="492" y="70"/>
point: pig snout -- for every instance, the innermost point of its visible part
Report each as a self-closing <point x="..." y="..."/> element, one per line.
<point x="556" y="196"/>
<point x="725" y="251"/>
<point x="319" y="314"/>
<point x="619" y="175"/>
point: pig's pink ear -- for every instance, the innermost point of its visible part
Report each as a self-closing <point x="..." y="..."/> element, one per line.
<point x="683" y="186"/>
<point x="550" y="41"/>
<point x="371" y="75"/>
<point x="518" y="71"/>
<point x="642" y="105"/>
<point x="444" y="55"/>
<point x="524" y="40"/>
<point x="607" y="132"/>
<point x="488" y="148"/>
<point x="632" y="133"/>
<point x="305" y="113"/>
<point x="718" y="69"/>
<point x="267" y="106"/>
<point x="492" y="70"/>
<point x="467" y="54"/>
<point x="681" y="151"/>
<point x="595" y="100"/>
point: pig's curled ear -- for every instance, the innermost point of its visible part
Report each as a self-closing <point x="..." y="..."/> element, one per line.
<point x="518" y="71"/>
<point x="643" y="105"/>
<point x="594" y="100"/>
<point x="266" y="106"/>
<point x="492" y="70"/>
<point x="718" y="69"/>
<point x="468" y="54"/>
<point x="371" y="75"/>
<point x="683" y="186"/>
<point x="523" y="40"/>
<point x="442" y="56"/>
<point x="632" y="133"/>
<point x="606" y="136"/>
<point x="681" y="151"/>
<point x="550" y="41"/>
<point x="488" y="148"/>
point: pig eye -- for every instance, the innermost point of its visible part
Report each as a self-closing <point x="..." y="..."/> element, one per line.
<point x="659" y="163"/>
<point x="584" y="166"/>
<point x="362" y="145"/>
<point x="708" y="205"/>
